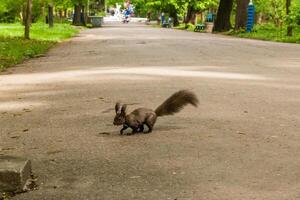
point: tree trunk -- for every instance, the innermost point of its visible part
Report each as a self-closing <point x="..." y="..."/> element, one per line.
<point x="174" y="16"/>
<point x="83" y="15"/>
<point x="65" y="14"/>
<point x="241" y="14"/>
<point x="60" y="14"/>
<point x="50" y="15"/>
<point x="289" y="28"/>
<point x="222" y="22"/>
<point x="158" y="18"/>
<point x="28" y="19"/>
<point x="77" y="15"/>
<point x="190" y="16"/>
<point x="24" y="7"/>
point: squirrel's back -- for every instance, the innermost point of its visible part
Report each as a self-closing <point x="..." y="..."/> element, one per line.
<point x="176" y="102"/>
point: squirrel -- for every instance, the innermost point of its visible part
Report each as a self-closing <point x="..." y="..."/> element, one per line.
<point x="144" y="116"/>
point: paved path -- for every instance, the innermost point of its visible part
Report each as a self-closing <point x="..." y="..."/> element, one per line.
<point x="242" y="142"/>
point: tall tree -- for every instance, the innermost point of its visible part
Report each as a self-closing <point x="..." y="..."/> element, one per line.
<point x="241" y="14"/>
<point x="28" y="19"/>
<point x="50" y="15"/>
<point x="77" y="15"/>
<point x="222" y="22"/>
<point x="288" y="10"/>
<point x="191" y="13"/>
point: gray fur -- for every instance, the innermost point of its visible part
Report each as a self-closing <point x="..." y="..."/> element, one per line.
<point x="144" y="116"/>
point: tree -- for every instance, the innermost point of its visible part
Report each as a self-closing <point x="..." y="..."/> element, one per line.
<point x="241" y="14"/>
<point x="28" y="19"/>
<point x="222" y="22"/>
<point x="77" y="14"/>
<point x="78" y="18"/>
<point x="194" y="6"/>
<point x="288" y="10"/>
<point x="191" y="13"/>
<point x="10" y="10"/>
<point x="50" y="15"/>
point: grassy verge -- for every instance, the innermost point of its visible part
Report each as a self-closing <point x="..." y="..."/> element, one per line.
<point x="188" y="27"/>
<point x="269" y="32"/>
<point x="14" y="49"/>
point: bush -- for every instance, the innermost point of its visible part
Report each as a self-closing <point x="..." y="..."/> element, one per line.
<point x="9" y="10"/>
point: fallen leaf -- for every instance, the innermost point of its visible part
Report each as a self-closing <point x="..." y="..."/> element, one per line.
<point x="15" y="136"/>
<point x="104" y="133"/>
<point x="54" y="152"/>
<point x="17" y="114"/>
<point x="7" y="148"/>
<point x="26" y="110"/>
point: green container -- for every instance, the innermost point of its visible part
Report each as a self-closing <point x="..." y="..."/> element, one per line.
<point x="96" y="21"/>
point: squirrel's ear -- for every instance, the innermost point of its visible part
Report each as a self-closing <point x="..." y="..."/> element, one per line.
<point x="123" y="110"/>
<point x="117" y="107"/>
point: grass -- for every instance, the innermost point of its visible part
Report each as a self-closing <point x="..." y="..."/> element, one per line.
<point x="269" y="32"/>
<point x="14" y="48"/>
<point x="188" y="27"/>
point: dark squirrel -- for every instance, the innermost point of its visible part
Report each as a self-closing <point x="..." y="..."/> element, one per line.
<point x="144" y="116"/>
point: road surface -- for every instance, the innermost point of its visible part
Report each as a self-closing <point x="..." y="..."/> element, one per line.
<point x="242" y="142"/>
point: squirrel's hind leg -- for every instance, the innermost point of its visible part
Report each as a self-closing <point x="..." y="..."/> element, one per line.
<point x="150" y="121"/>
<point x="149" y="128"/>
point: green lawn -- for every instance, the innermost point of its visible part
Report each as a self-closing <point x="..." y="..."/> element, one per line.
<point x="269" y="32"/>
<point x="14" y="49"/>
<point x="183" y="26"/>
<point x="262" y="32"/>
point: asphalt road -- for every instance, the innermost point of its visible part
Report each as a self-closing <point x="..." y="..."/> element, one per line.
<point x="242" y="142"/>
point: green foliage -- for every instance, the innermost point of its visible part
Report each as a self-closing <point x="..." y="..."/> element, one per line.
<point x="140" y="8"/>
<point x="188" y="27"/>
<point x="114" y="2"/>
<point x="271" y="10"/>
<point x="9" y="10"/>
<point x="168" y="6"/>
<point x="269" y="32"/>
<point x="202" y="5"/>
<point x="294" y="18"/>
<point x="275" y="11"/>
<point x="37" y="10"/>
<point x="39" y="31"/>
<point x="14" y="49"/>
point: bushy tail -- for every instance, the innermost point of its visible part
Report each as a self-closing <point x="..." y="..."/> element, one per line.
<point x="176" y="102"/>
